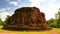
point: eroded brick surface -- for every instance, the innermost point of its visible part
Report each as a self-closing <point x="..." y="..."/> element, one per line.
<point x="27" y="18"/>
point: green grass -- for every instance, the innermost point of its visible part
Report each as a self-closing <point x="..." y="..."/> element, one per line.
<point x="53" y="31"/>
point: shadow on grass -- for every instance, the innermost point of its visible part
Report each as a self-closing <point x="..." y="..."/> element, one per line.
<point x="27" y="30"/>
<point x="23" y="29"/>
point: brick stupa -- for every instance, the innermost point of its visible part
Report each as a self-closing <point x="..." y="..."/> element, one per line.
<point x="27" y="18"/>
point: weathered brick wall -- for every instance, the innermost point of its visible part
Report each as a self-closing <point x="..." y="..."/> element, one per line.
<point x="27" y="18"/>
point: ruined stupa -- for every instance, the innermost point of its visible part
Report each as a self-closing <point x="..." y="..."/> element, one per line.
<point x="27" y="18"/>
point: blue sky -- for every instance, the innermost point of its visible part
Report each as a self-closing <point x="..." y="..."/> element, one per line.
<point x="49" y="7"/>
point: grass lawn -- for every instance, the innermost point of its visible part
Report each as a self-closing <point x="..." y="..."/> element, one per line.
<point x="53" y="31"/>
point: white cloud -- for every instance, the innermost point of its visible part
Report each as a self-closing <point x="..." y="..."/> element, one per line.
<point x="3" y="9"/>
<point x="49" y="7"/>
<point x="8" y="0"/>
<point x="19" y="0"/>
<point x="8" y="8"/>
<point x="3" y="15"/>
<point x="13" y="3"/>
<point x="36" y="2"/>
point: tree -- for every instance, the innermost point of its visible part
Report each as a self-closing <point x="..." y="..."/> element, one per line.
<point x="8" y="16"/>
<point x="51" y="22"/>
<point x="6" y="19"/>
<point x="58" y="23"/>
<point x="58" y="18"/>
<point x="58" y="14"/>
<point x="1" y="22"/>
<point x="55" y="22"/>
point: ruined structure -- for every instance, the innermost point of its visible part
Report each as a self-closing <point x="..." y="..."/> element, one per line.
<point x="27" y="18"/>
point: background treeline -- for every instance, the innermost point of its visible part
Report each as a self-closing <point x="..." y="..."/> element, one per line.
<point x="4" y="22"/>
<point x="53" y="22"/>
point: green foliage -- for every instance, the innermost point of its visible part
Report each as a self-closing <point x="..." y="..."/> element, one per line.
<point x="4" y="22"/>
<point x="7" y="17"/>
<point x="55" y="22"/>
<point x="58" y="23"/>
<point x="51" y="22"/>
<point x="1" y="22"/>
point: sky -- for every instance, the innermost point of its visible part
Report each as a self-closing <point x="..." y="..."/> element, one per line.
<point x="49" y="7"/>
